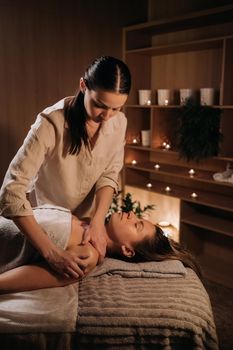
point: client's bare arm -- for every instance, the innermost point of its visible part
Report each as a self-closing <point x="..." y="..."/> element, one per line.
<point x="30" y="277"/>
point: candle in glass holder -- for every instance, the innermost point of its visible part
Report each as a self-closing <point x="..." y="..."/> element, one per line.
<point x="134" y="162"/>
<point x="167" y="147"/>
<point x="168" y="189"/>
<point x="149" y="185"/>
<point x="157" y="166"/>
<point x="135" y="141"/>
<point x="164" y="96"/>
<point x="164" y="223"/>
<point x="194" y="195"/>
<point x="191" y="172"/>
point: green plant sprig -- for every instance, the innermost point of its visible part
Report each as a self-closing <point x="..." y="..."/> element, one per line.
<point x="128" y="204"/>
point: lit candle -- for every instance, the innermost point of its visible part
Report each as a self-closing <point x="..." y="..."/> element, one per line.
<point x="191" y="172"/>
<point x="157" y="166"/>
<point x="134" y="162"/>
<point x="164" y="144"/>
<point x="167" y="146"/>
<point x="135" y="141"/>
<point x="164" y="223"/>
<point x="194" y="195"/>
<point x="149" y="185"/>
<point x="148" y="102"/>
<point x="166" y="102"/>
<point x="168" y="189"/>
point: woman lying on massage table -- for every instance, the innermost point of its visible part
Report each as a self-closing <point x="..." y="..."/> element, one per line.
<point x="128" y="238"/>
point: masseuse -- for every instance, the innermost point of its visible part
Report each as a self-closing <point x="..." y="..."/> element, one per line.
<point x="72" y="154"/>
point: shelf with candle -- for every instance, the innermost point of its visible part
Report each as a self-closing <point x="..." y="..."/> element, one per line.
<point x="199" y="178"/>
<point x="154" y="106"/>
<point x="194" y="195"/>
<point x="167" y="189"/>
<point x="172" y="152"/>
<point x="166" y="145"/>
<point x="191" y="172"/>
<point x="141" y="179"/>
<point x="173" y="170"/>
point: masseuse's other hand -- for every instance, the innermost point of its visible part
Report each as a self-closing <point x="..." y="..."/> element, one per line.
<point x="96" y="235"/>
<point x="67" y="263"/>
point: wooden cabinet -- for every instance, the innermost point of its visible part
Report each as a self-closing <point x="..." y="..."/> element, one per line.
<point x="190" y="51"/>
<point x="207" y="231"/>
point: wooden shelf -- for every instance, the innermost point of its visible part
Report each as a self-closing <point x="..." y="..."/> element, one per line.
<point x="173" y="106"/>
<point x="195" y="45"/>
<point x="191" y="20"/>
<point x="185" y="51"/>
<point x="153" y="106"/>
<point x="213" y="252"/>
<point x="160" y="150"/>
<point x="210" y="223"/>
<point x="206" y="198"/>
<point x="178" y="171"/>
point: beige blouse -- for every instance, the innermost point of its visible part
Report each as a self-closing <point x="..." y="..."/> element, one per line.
<point x="58" y="178"/>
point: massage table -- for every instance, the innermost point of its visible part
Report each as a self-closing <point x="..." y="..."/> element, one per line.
<point x="120" y="305"/>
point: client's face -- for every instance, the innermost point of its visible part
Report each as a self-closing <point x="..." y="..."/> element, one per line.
<point x="127" y="228"/>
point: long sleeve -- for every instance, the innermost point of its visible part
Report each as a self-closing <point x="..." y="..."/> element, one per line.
<point x="24" y="168"/>
<point x="110" y="175"/>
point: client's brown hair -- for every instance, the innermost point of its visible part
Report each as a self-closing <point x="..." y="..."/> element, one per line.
<point x="160" y="248"/>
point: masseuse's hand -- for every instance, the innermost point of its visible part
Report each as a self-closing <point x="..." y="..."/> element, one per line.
<point x="67" y="263"/>
<point x="96" y="235"/>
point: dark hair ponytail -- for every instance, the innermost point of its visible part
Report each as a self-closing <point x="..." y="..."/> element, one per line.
<point x="75" y="116"/>
<point x="106" y="73"/>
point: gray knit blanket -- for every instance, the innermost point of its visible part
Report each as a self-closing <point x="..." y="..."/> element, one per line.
<point x="159" y="313"/>
<point x="158" y="269"/>
<point x="111" y="312"/>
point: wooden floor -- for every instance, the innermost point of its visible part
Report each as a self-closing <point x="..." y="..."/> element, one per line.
<point x="222" y="304"/>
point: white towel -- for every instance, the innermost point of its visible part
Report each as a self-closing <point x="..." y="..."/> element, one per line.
<point x="16" y="250"/>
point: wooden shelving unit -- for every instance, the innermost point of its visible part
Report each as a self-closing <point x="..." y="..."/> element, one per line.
<point x="191" y="51"/>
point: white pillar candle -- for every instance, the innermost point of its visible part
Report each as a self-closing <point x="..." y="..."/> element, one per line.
<point x="144" y="96"/>
<point x="145" y="137"/>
